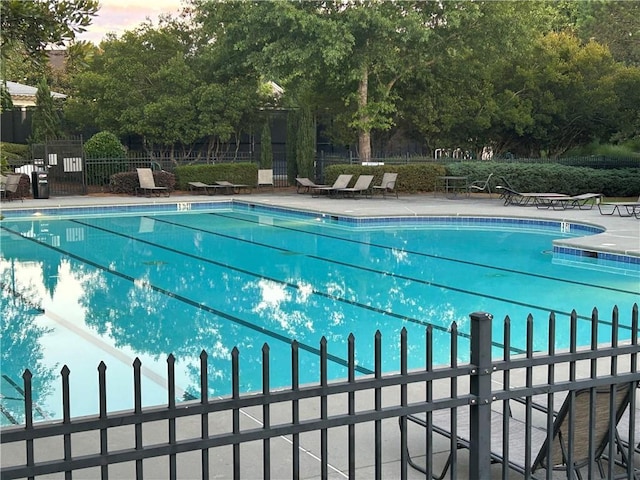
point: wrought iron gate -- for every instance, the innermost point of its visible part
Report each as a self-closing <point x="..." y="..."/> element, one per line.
<point x="63" y="159"/>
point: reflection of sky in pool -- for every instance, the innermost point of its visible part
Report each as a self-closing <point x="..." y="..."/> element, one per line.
<point x="116" y="288"/>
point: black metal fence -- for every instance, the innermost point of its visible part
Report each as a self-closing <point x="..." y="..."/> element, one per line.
<point x="350" y="425"/>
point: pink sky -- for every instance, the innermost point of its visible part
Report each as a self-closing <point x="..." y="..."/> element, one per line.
<point x="116" y="16"/>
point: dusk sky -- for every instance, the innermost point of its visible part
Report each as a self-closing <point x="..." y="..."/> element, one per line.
<point x="116" y="16"/>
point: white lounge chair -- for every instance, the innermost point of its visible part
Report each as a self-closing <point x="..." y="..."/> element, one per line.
<point x="265" y="178"/>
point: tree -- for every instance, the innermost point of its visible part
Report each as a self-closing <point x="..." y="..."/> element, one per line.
<point x="162" y="85"/>
<point x="569" y="94"/>
<point x="619" y="32"/>
<point x="362" y="48"/>
<point x="46" y="119"/>
<point x="266" y="150"/>
<point x="305" y="143"/>
<point x="35" y="24"/>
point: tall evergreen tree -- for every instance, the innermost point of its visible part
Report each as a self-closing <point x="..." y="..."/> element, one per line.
<point x="305" y="143"/>
<point x="46" y="120"/>
<point x="266" y="151"/>
<point x="291" y="146"/>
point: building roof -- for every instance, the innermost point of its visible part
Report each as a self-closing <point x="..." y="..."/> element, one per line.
<point x="25" y="95"/>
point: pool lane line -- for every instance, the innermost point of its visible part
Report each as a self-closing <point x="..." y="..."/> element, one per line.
<point x="422" y="254"/>
<point x="292" y="285"/>
<point x="188" y="301"/>
<point x="357" y="267"/>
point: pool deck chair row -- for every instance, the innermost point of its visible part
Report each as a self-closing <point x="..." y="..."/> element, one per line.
<point x="362" y="187"/>
<point x="221" y="186"/>
<point x="576" y="439"/>
<point x="148" y="185"/>
<point x="624" y="209"/>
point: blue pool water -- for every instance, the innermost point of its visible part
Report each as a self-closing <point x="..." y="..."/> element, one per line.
<point x="85" y="289"/>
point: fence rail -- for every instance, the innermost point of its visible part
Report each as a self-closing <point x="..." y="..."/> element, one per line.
<point x="241" y="436"/>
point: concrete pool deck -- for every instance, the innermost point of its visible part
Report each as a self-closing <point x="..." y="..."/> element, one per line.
<point x="622" y="236"/>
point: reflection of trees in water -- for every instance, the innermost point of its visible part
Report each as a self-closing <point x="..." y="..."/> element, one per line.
<point x="20" y="349"/>
<point x="149" y="321"/>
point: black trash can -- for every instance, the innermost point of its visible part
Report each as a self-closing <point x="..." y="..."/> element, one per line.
<point x="40" y="184"/>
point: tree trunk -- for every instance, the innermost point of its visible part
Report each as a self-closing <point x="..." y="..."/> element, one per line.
<point x="364" y="133"/>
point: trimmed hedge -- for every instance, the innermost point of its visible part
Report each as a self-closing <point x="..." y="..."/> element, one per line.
<point x="242" y="173"/>
<point x="524" y="177"/>
<point x="552" y="177"/>
<point x="127" y="182"/>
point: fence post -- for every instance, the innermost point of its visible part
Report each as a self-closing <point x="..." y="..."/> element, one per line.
<point x="480" y="389"/>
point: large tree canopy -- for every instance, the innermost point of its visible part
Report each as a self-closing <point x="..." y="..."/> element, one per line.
<point x="360" y="48"/>
<point x="34" y="24"/>
<point x="513" y="76"/>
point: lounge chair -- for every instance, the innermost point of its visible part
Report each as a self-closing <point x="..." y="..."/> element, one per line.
<point x="233" y="187"/>
<point x="512" y="197"/>
<point x="209" y="189"/>
<point x="481" y="185"/>
<point x="148" y="184"/>
<point x="303" y="185"/>
<point x="623" y="430"/>
<point x="630" y="208"/>
<point x="571" y="422"/>
<point x="10" y="186"/>
<point x="361" y="187"/>
<point x="265" y="178"/>
<point x="341" y="182"/>
<point x="387" y="185"/>
<point x="584" y="201"/>
<point x="504" y="187"/>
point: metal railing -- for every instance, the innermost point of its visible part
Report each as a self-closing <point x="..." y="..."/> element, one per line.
<point x="356" y="417"/>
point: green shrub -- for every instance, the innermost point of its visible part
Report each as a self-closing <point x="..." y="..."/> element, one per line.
<point x="127" y="182"/>
<point x="104" y="145"/>
<point x="241" y="173"/>
<point x="553" y="177"/>
<point x="13" y="151"/>
<point x="110" y="153"/>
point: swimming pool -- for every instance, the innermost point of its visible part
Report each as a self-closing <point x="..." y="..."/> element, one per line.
<point x="81" y="289"/>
